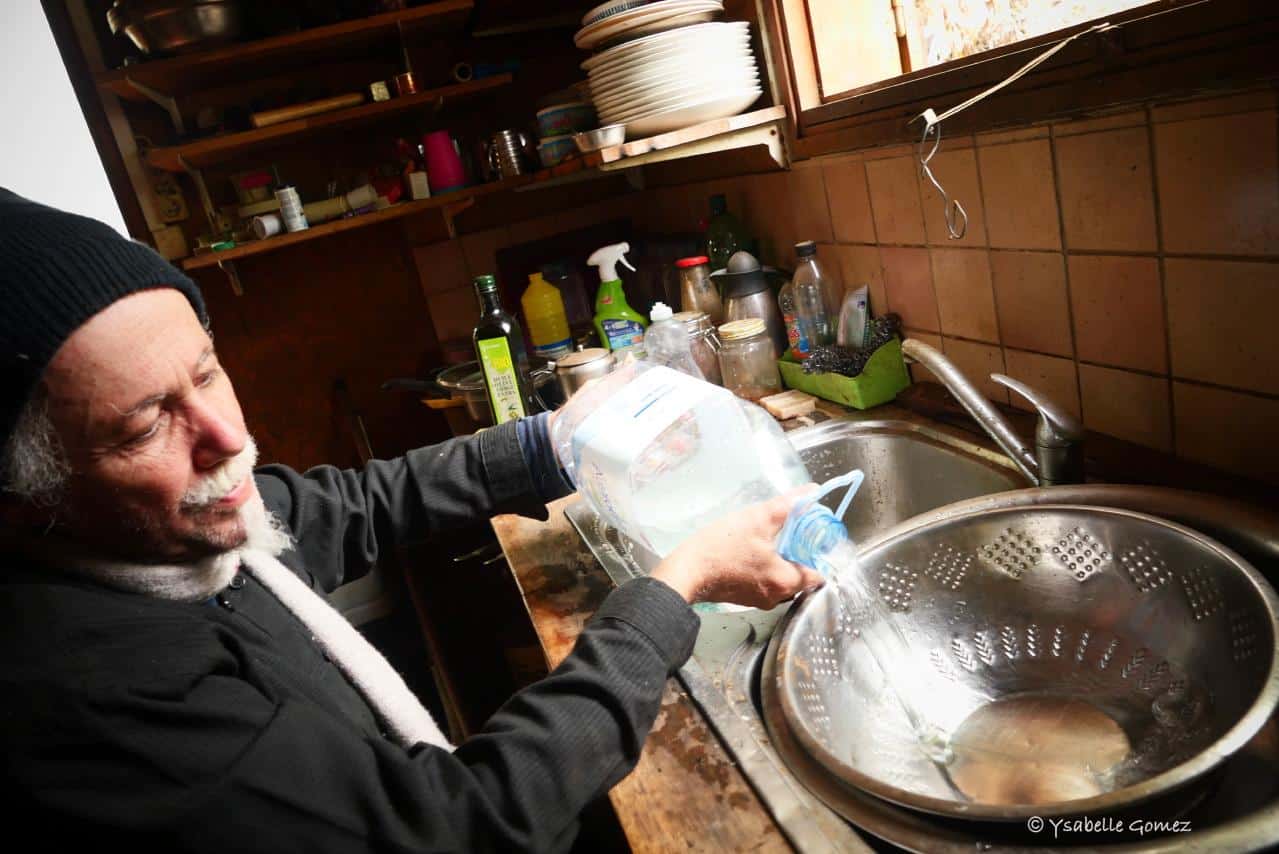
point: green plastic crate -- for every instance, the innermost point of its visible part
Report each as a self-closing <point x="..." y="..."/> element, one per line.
<point x="883" y="377"/>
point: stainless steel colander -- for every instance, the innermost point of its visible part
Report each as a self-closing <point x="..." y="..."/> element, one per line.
<point x="1091" y="658"/>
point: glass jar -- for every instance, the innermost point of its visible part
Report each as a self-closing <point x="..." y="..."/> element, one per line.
<point x="696" y="290"/>
<point x="747" y="359"/>
<point x="702" y="343"/>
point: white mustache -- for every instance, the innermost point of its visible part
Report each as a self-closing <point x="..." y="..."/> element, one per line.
<point x="216" y="486"/>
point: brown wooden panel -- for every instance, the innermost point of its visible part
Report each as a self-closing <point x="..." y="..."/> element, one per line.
<point x="345" y="307"/>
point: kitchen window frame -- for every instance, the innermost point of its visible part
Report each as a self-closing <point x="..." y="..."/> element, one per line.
<point x="1162" y="49"/>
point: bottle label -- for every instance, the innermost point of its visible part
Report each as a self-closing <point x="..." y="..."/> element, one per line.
<point x="796" y="333"/>
<point x="499" y="375"/>
<point x="617" y="432"/>
<point x="622" y="335"/>
<point x="556" y="350"/>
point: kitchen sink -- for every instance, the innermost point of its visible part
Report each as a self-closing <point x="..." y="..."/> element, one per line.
<point x="916" y="474"/>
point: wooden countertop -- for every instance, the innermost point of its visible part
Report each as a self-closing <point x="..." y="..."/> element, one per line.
<point x="685" y="793"/>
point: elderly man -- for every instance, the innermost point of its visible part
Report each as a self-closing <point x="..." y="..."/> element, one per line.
<point x="173" y="673"/>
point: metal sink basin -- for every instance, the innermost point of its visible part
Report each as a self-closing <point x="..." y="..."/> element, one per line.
<point x="916" y="473"/>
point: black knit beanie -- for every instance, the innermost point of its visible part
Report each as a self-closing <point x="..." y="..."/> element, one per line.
<point x="57" y="270"/>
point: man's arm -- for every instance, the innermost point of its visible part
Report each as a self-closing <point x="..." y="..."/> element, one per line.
<point x="342" y="519"/>
<point x="216" y="765"/>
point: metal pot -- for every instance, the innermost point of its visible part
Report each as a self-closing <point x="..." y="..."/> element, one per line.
<point x="174" y="26"/>
<point x="463" y="385"/>
<point x="577" y="369"/>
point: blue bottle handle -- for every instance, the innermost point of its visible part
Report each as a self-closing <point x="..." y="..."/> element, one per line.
<point x="812" y="529"/>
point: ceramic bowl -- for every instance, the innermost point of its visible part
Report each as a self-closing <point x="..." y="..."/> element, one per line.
<point x="554" y="149"/>
<point x="563" y="119"/>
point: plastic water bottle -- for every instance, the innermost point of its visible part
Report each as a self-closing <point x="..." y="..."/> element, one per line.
<point x="660" y="455"/>
<point x="666" y="342"/>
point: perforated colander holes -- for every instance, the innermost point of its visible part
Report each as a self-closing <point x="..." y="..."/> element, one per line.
<point x="1081" y="553"/>
<point x="1202" y="594"/>
<point x="824" y="656"/>
<point x="1155" y="677"/>
<point x="1108" y="655"/>
<point x="1244" y="642"/>
<point x="948" y="566"/>
<point x="942" y="665"/>
<point x="963" y="654"/>
<point x="1012" y="553"/>
<point x="1146" y="567"/>
<point x="897" y="585"/>
<point x="1008" y="639"/>
<point x="1134" y="663"/>
<point x="814" y="706"/>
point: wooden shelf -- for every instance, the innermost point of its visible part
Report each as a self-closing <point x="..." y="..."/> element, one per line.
<point x="222" y="66"/>
<point x="218" y="149"/>
<point x="760" y="127"/>
<point x="315" y="232"/>
<point x="751" y="130"/>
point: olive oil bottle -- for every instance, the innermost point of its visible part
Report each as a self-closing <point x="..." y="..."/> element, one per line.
<point x="499" y="348"/>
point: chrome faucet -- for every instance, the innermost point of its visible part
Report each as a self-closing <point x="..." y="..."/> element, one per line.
<point x="1058" y="454"/>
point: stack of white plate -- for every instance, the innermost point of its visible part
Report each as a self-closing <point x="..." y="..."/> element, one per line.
<point x="623" y="20"/>
<point x="676" y="78"/>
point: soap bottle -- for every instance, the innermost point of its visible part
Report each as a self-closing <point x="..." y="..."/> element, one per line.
<point x="620" y="327"/>
<point x="547" y="322"/>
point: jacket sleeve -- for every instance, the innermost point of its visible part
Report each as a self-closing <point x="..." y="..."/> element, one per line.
<point x="342" y="519"/>
<point x="244" y="773"/>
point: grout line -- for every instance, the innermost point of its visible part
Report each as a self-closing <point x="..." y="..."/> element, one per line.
<point x="1065" y="260"/>
<point x="1163" y="276"/>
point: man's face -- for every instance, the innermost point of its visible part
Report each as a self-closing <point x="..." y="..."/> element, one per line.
<point x="150" y="423"/>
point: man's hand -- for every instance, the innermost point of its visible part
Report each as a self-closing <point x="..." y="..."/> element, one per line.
<point x="735" y="559"/>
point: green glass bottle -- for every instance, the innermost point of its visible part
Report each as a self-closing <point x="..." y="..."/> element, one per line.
<point x="499" y="348"/>
<point x="725" y="234"/>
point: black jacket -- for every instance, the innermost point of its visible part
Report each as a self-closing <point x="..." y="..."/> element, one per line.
<point x="206" y="728"/>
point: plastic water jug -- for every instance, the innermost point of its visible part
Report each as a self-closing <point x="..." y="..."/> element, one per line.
<point x="660" y="454"/>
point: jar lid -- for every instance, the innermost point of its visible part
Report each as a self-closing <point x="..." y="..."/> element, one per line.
<point x="695" y="261"/>
<point x="582" y="357"/>
<point x="692" y="319"/>
<point x="738" y="329"/>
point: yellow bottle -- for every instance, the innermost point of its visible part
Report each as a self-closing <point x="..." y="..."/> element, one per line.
<point x="547" y="322"/>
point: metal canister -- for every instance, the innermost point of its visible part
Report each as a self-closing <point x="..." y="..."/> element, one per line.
<point x="507" y="153"/>
<point x="577" y="369"/>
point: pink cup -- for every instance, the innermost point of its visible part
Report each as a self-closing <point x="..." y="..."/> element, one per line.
<point x="443" y="166"/>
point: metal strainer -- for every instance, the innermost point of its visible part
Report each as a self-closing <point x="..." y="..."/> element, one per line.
<point x="1081" y="660"/>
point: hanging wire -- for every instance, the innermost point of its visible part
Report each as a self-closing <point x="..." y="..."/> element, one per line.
<point x="956" y="216"/>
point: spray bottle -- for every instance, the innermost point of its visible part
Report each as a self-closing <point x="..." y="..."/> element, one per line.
<point x="620" y="327"/>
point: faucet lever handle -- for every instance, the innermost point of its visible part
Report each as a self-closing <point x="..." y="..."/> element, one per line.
<point x="1057" y="427"/>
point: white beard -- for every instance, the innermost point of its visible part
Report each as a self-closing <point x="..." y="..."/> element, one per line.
<point x="193" y="581"/>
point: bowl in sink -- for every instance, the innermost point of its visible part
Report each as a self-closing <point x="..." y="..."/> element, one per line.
<point x="1081" y="660"/>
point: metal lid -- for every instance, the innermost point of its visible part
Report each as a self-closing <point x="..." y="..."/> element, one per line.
<point x="805" y="248"/>
<point x="467" y="376"/>
<point x="738" y="329"/>
<point x="693" y="320"/>
<point x="582" y="357"/>
<point x="486" y="283"/>
<point x="463" y="377"/>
